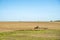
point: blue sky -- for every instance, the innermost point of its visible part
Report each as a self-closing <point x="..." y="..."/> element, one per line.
<point x="29" y="10"/>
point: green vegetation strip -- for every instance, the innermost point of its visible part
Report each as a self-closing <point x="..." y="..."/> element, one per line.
<point x="31" y="35"/>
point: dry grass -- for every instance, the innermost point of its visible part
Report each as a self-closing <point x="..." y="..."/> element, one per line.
<point x="52" y="33"/>
<point x="4" y="26"/>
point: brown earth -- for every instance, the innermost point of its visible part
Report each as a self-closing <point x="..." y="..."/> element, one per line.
<point x="7" y="26"/>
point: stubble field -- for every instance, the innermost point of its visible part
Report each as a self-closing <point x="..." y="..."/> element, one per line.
<point x="26" y="31"/>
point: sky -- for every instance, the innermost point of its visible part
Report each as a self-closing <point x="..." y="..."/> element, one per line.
<point x="29" y="10"/>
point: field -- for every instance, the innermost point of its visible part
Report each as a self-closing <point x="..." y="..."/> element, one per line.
<point x="25" y="31"/>
<point x="31" y="35"/>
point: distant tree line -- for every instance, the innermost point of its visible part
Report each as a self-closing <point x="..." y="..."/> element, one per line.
<point x="55" y="21"/>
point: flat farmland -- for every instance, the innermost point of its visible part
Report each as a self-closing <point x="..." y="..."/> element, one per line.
<point x="25" y="31"/>
<point x="28" y="25"/>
